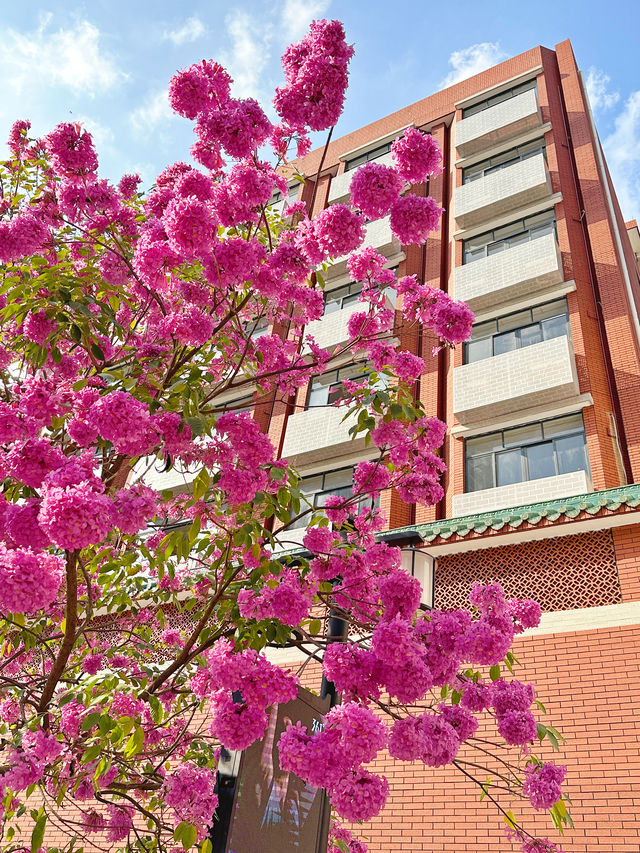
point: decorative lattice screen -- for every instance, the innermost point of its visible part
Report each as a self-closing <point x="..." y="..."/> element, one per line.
<point x="560" y="573"/>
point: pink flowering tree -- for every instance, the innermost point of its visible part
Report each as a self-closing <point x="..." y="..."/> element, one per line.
<point x="134" y="621"/>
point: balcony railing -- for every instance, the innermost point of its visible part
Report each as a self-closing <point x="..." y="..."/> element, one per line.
<point x="331" y="329"/>
<point x="519" y="494"/>
<point x="497" y="124"/>
<point x="502" y="191"/>
<point x="310" y="433"/>
<point x="518" y="271"/>
<point x="532" y="376"/>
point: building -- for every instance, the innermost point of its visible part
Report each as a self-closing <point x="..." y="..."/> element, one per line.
<point x="543" y="452"/>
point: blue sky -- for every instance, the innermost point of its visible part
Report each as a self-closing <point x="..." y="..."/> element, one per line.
<point x="107" y="63"/>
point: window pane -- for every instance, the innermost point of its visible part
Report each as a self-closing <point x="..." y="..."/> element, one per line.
<point x="554" y="327"/>
<point x="337" y="479"/>
<point x="480" y="473"/>
<point x="481" y="330"/>
<point x="517" y="239"/>
<point x="509" y="467"/>
<point x="477" y="350"/>
<point x="571" y="454"/>
<point x="311" y="485"/>
<point x="530" y="335"/>
<point x="541" y="230"/>
<point x="505" y="343"/>
<point x="495" y="248"/>
<point x="514" y="321"/>
<point x="540" y="218"/>
<point x="318" y="396"/>
<point x="522" y="435"/>
<point x="558" y="426"/>
<point x="509" y="230"/>
<point x="484" y="444"/>
<point x="474" y="255"/>
<point x="351" y="299"/>
<point x="540" y="460"/>
<point x="336" y="392"/>
<point x="550" y="309"/>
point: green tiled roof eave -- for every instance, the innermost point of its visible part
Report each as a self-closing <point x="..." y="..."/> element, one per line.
<point x="592" y="502"/>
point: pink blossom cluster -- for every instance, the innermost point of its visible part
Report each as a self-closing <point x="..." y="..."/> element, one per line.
<point x="316" y="77"/>
<point x="29" y="580"/>
<point x="240" y="686"/>
<point x="189" y="791"/>
<point x="543" y="784"/>
<point x="285" y="598"/>
<point x="411" y="449"/>
<point x="340" y="835"/>
<point x="334" y="757"/>
<point x="450" y="320"/>
<point x="417" y="156"/>
<point x="511" y="703"/>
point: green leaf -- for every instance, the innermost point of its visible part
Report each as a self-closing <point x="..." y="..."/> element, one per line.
<point x="541" y="706"/>
<point x="92" y="753"/>
<point x="485" y="789"/>
<point x="126" y="724"/>
<point x="201" y="484"/>
<point x="186" y="833"/>
<point x="97" y="352"/>
<point x="553" y="740"/>
<point x="90" y="721"/>
<point x="510" y="819"/>
<point x="315" y="626"/>
<point x="135" y="742"/>
<point x="494" y="672"/>
<point x="37" y="835"/>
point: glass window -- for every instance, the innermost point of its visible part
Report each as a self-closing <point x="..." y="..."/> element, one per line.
<point x="478" y="350"/>
<point x="522" y="435"/>
<point x="502" y="160"/>
<point x="506" y="342"/>
<point x="529" y="452"/>
<point x="499" y="98"/>
<point x="509" y="467"/>
<point x="327" y="389"/>
<point x="520" y="329"/>
<point x="571" y="453"/>
<point x="521" y="231"/>
<point x="530" y="335"/>
<point x="484" y="444"/>
<point x="480" y="473"/>
<point x="514" y="321"/>
<point x="373" y="154"/>
<point x="540" y="461"/>
<point x="318" y="487"/>
<point x="561" y="426"/>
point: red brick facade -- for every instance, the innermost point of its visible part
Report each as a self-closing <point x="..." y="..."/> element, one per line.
<point x="588" y="677"/>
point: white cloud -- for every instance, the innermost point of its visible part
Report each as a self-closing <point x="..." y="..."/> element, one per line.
<point x="249" y="55"/>
<point x="71" y="58"/>
<point x="153" y="112"/>
<point x="298" y="14"/>
<point x="103" y="136"/>
<point x="600" y="97"/>
<point x="622" y="150"/>
<point x="472" y="60"/>
<point x="191" y="30"/>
